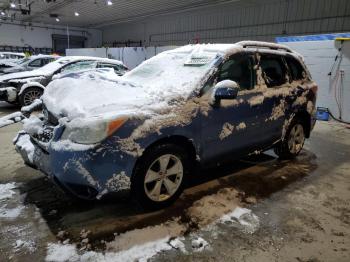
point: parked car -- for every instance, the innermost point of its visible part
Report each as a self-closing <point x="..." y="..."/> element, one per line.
<point x="26" y="64"/>
<point x="25" y="87"/>
<point x="146" y="130"/>
<point x="11" y="56"/>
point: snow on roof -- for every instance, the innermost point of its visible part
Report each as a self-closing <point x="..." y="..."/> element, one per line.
<point x="101" y="59"/>
<point x="221" y="49"/>
<point x="44" y="56"/>
<point x="12" y="53"/>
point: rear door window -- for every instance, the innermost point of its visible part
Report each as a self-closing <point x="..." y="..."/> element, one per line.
<point x="273" y="69"/>
<point x="296" y="70"/>
<point x="35" y="63"/>
<point x="45" y="61"/>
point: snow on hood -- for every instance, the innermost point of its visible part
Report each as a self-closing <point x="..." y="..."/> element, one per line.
<point x="34" y="73"/>
<point x="7" y="63"/>
<point x="164" y="80"/>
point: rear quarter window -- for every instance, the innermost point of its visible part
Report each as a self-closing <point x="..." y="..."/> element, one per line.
<point x="296" y="70"/>
<point x="274" y="70"/>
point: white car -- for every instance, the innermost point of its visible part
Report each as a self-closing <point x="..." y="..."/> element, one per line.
<point x="11" y="56"/>
<point x="26" y="64"/>
<point x="25" y="87"/>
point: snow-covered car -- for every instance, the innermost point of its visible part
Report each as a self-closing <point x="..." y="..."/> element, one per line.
<point x="146" y="130"/>
<point x="26" y="64"/>
<point x="25" y="87"/>
<point x="11" y="56"/>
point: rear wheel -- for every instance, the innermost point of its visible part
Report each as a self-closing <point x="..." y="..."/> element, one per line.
<point x="293" y="142"/>
<point x="159" y="176"/>
<point x="29" y="95"/>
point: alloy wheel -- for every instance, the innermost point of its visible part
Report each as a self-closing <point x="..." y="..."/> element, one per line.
<point x="30" y="96"/>
<point x="296" y="139"/>
<point x="163" y="177"/>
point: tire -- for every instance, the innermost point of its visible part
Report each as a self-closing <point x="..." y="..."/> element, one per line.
<point x="158" y="192"/>
<point x="293" y="142"/>
<point x="29" y="95"/>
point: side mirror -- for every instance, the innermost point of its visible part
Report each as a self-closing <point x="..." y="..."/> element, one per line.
<point x="226" y="89"/>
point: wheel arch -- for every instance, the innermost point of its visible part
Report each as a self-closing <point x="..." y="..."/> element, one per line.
<point x="29" y="85"/>
<point x="173" y="139"/>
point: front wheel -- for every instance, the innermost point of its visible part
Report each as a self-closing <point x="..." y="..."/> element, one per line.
<point x="29" y="95"/>
<point x="293" y="142"/>
<point x="159" y="176"/>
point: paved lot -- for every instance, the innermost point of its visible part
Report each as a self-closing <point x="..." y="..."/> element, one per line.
<point x="300" y="209"/>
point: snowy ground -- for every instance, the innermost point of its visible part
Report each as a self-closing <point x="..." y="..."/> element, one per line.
<point x="257" y="209"/>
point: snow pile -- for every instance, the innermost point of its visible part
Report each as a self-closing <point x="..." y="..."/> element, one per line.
<point x="61" y="253"/>
<point x="199" y="244"/>
<point x="68" y="252"/>
<point x="24" y="143"/>
<point x="36" y="105"/>
<point x="6" y="190"/>
<point x="177" y="243"/>
<point x="134" y="245"/>
<point x="243" y="217"/>
<point x="33" y="125"/>
<point x="10" y="119"/>
<point x="24" y="244"/>
<point x="10" y="213"/>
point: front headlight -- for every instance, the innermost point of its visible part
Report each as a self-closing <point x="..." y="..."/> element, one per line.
<point x="92" y="130"/>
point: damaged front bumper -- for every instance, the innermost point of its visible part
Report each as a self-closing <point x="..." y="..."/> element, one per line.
<point x="8" y="94"/>
<point x="32" y="154"/>
<point x="87" y="173"/>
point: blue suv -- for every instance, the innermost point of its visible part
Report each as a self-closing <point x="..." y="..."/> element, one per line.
<point x="147" y="130"/>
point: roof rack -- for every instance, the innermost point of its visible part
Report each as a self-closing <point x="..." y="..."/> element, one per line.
<point x="257" y="44"/>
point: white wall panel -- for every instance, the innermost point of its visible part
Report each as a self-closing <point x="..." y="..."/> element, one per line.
<point x="130" y="56"/>
<point x="39" y="35"/>
<point x="95" y="52"/>
<point x="254" y="19"/>
<point x="319" y="57"/>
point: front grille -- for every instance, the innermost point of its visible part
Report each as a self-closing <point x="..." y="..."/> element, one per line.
<point x="46" y="134"/>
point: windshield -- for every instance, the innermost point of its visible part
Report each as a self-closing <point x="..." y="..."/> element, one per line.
<point x="55" y="65"/>
<point x="23" y="61"/>
<point x="177" y="72"/>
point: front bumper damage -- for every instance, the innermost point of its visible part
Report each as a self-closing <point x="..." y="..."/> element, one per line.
<point x="8" y="94"/>
<point x="32" y="154"/>
<point x="87" y="173"/>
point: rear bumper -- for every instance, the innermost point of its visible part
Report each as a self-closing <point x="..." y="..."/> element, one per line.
<point x="8" y="94"/>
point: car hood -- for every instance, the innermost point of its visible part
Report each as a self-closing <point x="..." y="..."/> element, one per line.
<point x="21" y="75"/>
<point x="102" y="92"/>
<point x="14" y="69"/>
<point x="7" y="63"/>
